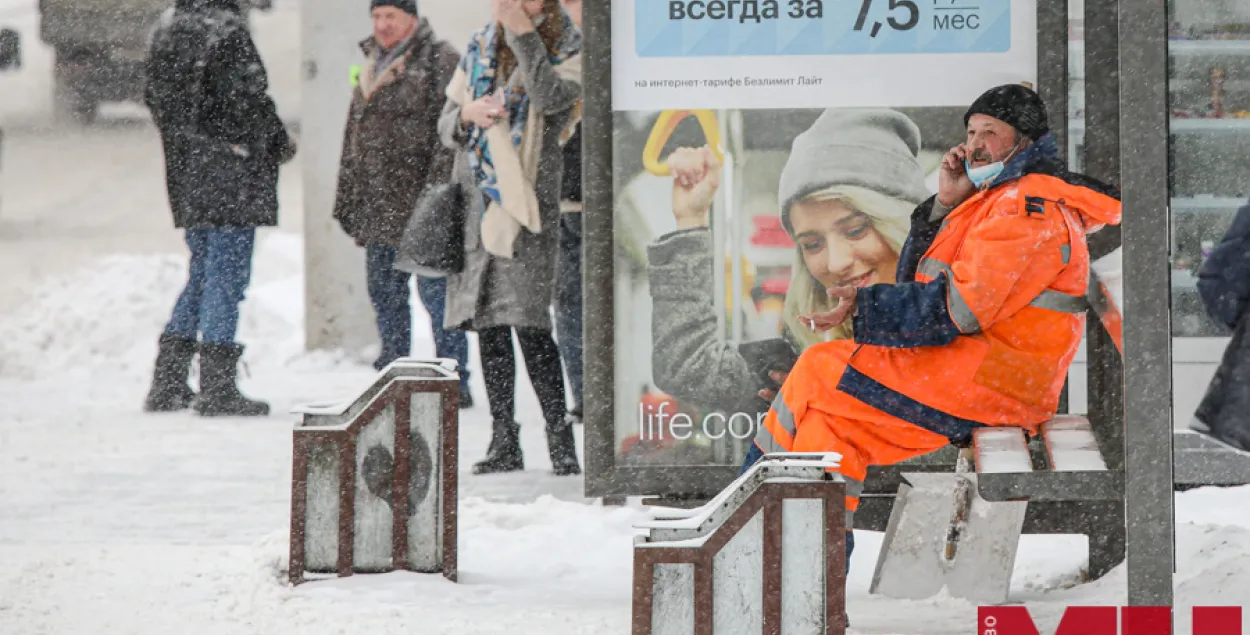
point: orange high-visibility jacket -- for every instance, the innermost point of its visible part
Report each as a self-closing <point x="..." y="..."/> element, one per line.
<point x="981" y="328"/>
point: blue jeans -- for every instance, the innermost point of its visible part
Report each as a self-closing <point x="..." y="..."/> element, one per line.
<point x="448" y="343"/>
<point x="217" y="281"/>
<point x="754" y="454"/>
<point x="568" y="299"/>
<point x="388" y="291"/>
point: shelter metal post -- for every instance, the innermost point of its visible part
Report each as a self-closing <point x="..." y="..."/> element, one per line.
<point x="1147" y="321"/>
<point x="598" y="248"/>
<point x="1102" y="161"/>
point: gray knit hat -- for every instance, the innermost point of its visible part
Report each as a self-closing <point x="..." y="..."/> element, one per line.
<point x="872" y="148"/>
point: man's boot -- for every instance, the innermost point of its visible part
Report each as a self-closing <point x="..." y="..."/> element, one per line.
<point x="562" y="447"/>
<point x="170" y="392"/>
<point x="219" y="391"/>
<point x="504" y="454"/>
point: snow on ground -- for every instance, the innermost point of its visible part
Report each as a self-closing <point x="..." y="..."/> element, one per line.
<point x="120" y="522"/>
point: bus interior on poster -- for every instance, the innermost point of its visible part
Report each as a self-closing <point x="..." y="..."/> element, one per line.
<point x="750" y="269"/>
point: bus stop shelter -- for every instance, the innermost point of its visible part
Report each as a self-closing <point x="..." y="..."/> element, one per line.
<point x="1126" y="137"/>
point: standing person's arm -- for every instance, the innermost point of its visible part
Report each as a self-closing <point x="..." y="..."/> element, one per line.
<point x="247" y="86"/>
<point x="548" y="91"/>
<point x="457" y="119"/>
<point x="442" y="154"/>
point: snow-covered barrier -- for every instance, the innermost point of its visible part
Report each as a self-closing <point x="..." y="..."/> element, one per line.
<point x="374" y="479"/>
<point x="767" y="555"/>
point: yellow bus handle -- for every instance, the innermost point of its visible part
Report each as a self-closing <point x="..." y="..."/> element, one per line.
<point x="663" y="130"/>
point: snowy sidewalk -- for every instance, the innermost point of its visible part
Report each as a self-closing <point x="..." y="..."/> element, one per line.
<point x="116" y="522"/>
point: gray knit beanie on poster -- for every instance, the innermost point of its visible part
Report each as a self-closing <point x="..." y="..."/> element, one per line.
<point x="872" y="148"/>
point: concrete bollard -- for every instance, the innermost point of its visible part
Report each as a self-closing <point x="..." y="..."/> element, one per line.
<point x="373" y="484"/>
<point x="767" y="555"/>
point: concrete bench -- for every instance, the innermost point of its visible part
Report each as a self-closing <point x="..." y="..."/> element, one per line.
<point x="986" y="501"/>
<point x="767" y="555"/>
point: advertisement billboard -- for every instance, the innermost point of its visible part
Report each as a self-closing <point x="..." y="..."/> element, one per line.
<point x="760" y="152"/>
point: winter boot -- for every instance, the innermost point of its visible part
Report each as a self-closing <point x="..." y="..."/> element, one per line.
<point x="563" y="447"/>
<point x="504" y="454"/>
<point x="170" y="392"/>
<point x="219" y="392"/>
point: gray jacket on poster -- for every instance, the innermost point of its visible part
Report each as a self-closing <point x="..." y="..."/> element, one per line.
<point x="687" y="360"/>
<point x="518" y="291"/>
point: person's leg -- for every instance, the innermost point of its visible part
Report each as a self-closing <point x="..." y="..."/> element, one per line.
<point x="499" y="372"/>
<point x="448" y="343"/>
<point x="177" y="345"/>
<point x="542" y="361"/>
<point x="388" y="291"/>
<point x="811" y="415"/>
<point x="185" y="320"/>
<point x="569" y="304"/>
<point x="228" y="274"/>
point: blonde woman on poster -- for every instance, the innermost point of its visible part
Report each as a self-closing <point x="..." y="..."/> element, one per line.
<point x="845" y="197"/>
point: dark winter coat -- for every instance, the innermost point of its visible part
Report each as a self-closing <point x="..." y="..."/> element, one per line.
<point x="1224" y="281"/>
<point x="1225" y="408"/>
<point x="391" y="148"/>
<point x="228" y="108"/>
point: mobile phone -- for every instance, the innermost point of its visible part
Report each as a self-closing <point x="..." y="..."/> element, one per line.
<point x="765" y="356"/>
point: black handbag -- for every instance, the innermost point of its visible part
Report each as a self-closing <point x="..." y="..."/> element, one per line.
<point x="433" y="241"/>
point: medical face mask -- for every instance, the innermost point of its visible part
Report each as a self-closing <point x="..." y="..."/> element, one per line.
<point x="987" y="173"/>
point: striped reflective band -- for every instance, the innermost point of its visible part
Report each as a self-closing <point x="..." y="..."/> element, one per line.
<point x="933" y="268"/>
<point x="1061" y="302"/>
<point x="854" y="488"/>
<point x="850" y="519"/>
<point x="767" y="443"/>
<point x="961" y="313"/>
<point x="785" y="418"/>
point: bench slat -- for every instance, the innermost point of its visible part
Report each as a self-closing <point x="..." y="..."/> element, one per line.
<point x="1001" y="450"/>
<point x="1071" y="445"/>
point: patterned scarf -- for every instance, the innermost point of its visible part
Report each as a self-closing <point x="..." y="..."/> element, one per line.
<point x="479" y="65"/>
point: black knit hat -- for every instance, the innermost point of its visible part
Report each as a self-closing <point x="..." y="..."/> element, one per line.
<point x="407" y="6"/>
<point x="1015" y="105"/>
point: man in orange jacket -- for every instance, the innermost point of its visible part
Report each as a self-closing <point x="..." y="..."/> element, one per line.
<point x="985" y="317"/>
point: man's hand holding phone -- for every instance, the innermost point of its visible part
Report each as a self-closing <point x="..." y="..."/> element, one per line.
<point x="954" y="186"/>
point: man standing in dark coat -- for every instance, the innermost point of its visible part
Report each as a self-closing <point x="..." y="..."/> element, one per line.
<point x="207" y="91"/>
<point x="391" y="152"/>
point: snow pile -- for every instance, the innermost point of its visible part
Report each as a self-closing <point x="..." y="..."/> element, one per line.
<point x="107" y="317"/>
<point x="93" y="317"/>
